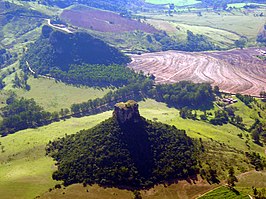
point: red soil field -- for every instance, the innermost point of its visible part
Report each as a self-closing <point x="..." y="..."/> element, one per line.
<point x="103" y="21"/>
<point x="234" y="71"/>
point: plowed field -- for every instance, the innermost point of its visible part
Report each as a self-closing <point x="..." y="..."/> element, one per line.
<point x="103" y="21"/>
<point x="235" y="71"/>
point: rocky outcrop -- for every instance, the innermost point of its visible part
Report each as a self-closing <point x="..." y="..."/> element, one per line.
<point x="127" y="111"/>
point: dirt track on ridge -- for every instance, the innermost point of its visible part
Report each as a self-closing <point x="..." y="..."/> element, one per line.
<point x="235" y="71"/>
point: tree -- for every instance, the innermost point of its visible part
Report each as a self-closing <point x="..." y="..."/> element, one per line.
<point x="137" y="195"/>
<point x="241" y="43"/>
<point x="231" y="178"/>
<point x="263" y="95"/>
<point x="216" y="90"/>
<point x="239" y="119"/>
<point x="256" y="136"/>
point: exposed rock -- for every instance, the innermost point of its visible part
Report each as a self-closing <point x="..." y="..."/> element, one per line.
<point x="127" y="111"/>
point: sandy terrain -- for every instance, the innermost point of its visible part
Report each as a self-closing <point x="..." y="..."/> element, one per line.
<point x="235" y="71"/>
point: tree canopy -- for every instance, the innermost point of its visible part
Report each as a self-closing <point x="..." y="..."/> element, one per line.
<point x="131" y="155"/>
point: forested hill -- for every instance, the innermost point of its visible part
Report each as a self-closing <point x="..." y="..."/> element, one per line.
<point x="58" y="50"/>
<point x="124" y="151"/>
<point x="113" y="5"/>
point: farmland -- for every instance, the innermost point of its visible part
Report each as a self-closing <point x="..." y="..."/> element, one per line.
<point x="233" y="24"/>
<point x="236" y="71"/>
<point x="103" y="21"/>
<point x="176" y="2"/>
<point x="49" y="94"/>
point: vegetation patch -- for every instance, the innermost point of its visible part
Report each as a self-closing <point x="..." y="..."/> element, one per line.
<point x="224" y="192"/>
<point x="22" y="114"/>
<point x="48" y="93"/>
<point x="124" y="151"/>
<point x="175" y="2"/>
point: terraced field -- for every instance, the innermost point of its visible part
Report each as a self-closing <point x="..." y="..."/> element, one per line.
<point x="235" y="71"/>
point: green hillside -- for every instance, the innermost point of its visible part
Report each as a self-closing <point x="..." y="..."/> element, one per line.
<point x="55" y="49"/>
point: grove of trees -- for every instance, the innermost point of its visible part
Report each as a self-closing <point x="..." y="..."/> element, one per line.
<point x="133" y="155"/>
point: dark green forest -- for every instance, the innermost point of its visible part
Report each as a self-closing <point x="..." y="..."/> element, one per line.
<point x="96" y="75"/>
<point x="178" y="95"/>
<point x="194" y="42"/>
<point x="130" y="155"/>
<point x="21" y="114"/>
<point x="184" y="94"/>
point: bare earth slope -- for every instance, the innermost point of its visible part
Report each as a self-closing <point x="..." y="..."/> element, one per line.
<point x="235" y="71"/>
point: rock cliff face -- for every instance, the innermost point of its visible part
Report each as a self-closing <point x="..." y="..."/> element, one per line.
<point x="127" y="112"/>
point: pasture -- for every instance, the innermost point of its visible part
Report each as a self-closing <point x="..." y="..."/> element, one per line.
<point x="56" y="95"/>
<point x="222" y="38"/>
<point x="237" y="23"/>
<point x="176" y="2"/>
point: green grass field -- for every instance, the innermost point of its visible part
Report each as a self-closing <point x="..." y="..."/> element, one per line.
<point x="253" y="178"/>
<point x="222" y="38"/>
<point x="244" y="185"/>
<point x="54" y="96"/>
<point x="25" y="170"/>
<point x="215" y="25"/>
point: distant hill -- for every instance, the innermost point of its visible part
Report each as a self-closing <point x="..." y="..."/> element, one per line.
<point x="125" y="151"/>
<point x="15" y="22"/>
<point x="222" y="3"/>
<point x="113" y="5"/>
<point x="58" y="50"/>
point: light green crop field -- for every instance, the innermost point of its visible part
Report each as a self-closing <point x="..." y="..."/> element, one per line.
<point x="26" y="172"/>
<point x="220" y="37"/>
<point x="223" y="193"/>
<point x="244" y="185"/>
<point x="176" y="2"/>
<point x="236" y="24"/>
<point x="54" y="96"/>
<point x="226" y="134"/>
